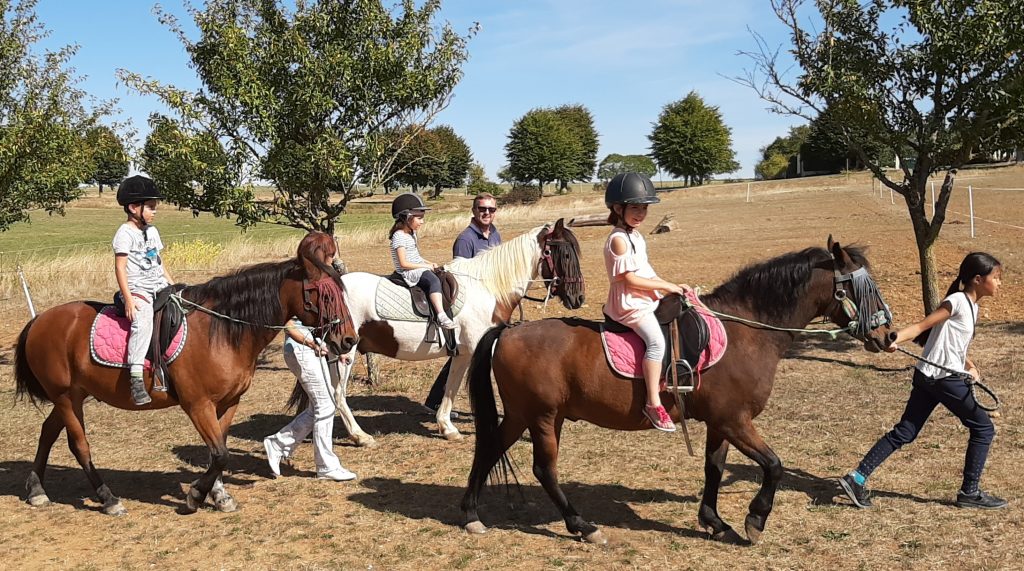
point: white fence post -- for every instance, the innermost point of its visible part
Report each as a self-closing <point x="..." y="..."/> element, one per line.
<point x="28" y="296"/>
<point x="748" y="192"/>
<point x="891" y="199"/>
<point x="970" y="201"/>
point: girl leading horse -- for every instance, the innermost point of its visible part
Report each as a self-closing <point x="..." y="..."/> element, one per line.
<point x="554" y="370"/>
<point x="232" y="319"/>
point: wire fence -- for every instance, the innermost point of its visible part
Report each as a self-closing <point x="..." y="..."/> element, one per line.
<point x="973" y="203"/>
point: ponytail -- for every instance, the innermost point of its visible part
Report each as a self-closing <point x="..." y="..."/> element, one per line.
<point x="613" y="217"/>
<point x="398" y="225"/>
<point x="973" y="265"/>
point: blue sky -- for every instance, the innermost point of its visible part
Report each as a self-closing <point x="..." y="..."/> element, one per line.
<point x="623" y="60"/>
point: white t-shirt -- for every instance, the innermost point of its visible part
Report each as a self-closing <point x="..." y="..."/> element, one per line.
<point x="145" y="269"/>
<point x="412" y="256"/>
<point x="947" y="343"/>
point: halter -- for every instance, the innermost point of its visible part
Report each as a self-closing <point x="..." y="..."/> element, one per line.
<point x="331" y="309"/>
<point x="866" y="293"/>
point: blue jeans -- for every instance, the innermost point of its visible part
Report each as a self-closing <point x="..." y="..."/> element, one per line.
<point x="927" y="393"/>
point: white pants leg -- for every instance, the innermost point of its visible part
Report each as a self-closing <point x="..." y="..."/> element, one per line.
<point x="141" y="333"/>
<point x="310" y="370"/>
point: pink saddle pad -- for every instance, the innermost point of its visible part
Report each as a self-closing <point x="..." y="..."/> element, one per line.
<point x="625" y="351"/>
<point x="108" y="340"/>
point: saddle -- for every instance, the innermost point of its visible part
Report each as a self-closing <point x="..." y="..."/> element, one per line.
<point x="694" y="336"/>
<point x="167" y="320"/>
<point x="422" y="307"/>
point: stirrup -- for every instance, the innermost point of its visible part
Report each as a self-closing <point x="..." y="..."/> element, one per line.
<point x="688" y="386"/>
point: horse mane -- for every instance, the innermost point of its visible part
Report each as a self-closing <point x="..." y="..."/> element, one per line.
<point x="250" y="294"/>
<point x="502" y="269"/>
<point x="772" y="288"/>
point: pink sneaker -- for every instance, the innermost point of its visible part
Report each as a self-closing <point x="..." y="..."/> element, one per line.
<point x="659" y="418"/>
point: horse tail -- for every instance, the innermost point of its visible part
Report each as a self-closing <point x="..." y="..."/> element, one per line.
<point x="26" y="382"/>
<point x="485" y="409"/>
<point x="298" y="400"/>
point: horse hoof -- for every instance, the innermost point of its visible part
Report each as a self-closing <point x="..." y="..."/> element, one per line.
<point x="115" y="509"/>
<point x="728" y="536"/>
<point x="38" y="501"/>
<point x="193" y="500"/>
<point x="596" y="537"/>
<point x="476" y="528"/>
<point x="363" y="440"/>
<point x="227" y="504"/>
<point x="753" y="532"/>
<point x="453" y="435"/>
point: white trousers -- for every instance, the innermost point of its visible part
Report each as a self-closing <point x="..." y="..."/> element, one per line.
<point x="141" y="333"/>
<point x="318" y="419"/>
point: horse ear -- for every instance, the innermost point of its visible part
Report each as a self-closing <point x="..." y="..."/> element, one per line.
<point x="560" y="225"/>
<point x="830" y="243"/>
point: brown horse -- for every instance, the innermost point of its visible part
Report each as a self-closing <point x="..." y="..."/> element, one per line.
<point x="233" y="318"/>
<point x="552" y="370"/>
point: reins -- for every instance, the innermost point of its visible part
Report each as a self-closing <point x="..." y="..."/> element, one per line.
<point x="178" y="300"/>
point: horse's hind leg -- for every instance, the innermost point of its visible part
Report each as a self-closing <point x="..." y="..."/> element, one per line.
<point x="484" y="459"/>
<point x="204" y="418"/>
<point x="546" y="435"/>
<point x="715" y="452"/>
<point x="52" y="427"/>
<point x="460" y="363"/>
<point x="746" y="439"/>
<point x="70" y="410"/>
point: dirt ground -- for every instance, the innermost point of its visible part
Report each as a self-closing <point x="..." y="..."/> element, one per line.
<point x="831" y="401"/>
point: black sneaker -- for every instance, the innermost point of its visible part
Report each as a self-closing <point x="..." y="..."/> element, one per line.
<point x="981" y="500"/>
<point x="858" y="494"/>
<point x="139" y="395"/>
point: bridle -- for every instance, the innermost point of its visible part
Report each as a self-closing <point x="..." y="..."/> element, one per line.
<point x="550" y="272"/>
<point x="862" y="304"/>
<point x="330" y="309"/>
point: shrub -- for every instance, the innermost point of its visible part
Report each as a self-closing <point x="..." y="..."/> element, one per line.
<point x="194" y="253"/>
<point x="521" y="194"/>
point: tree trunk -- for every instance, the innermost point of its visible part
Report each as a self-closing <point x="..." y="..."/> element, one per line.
<point x="372" y="372"/>
<point x="925" y="241"/>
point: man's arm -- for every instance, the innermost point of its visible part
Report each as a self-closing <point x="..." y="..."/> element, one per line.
<point x="462" y="248"/>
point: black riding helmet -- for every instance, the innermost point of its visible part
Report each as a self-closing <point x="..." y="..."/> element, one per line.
<point x="137" y="188"/>
<point x="405" y="204"/>
<point x="630" y="188"/>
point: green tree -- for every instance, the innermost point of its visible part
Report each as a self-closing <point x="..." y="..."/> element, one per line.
<point x="193" y="169"/>
<point x="478" y="183"/>
<point x="775" y="156"/>
<point x="615" y="163"/>
<point x="543" y="147"/>
<point x="109" y="159"/>
<point x="936" y="82"/>
<point x="456" y="157"/>
<point x="580" y="124"/>
<point x="43" y="120"/>
<point x="301" y="94"/>
<point x="691" y="141"/>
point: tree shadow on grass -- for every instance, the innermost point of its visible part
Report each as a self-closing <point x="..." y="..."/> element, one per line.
<point x="843" y="345"/>
<point x="394" y="414"/>
<point x="69" y="486"/>
<point x="525" y="508"/>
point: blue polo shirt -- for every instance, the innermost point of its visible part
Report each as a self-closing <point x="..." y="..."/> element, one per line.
<point x="472" y="242"/>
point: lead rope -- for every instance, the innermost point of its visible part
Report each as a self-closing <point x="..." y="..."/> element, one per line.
<point x="966" y="378"/>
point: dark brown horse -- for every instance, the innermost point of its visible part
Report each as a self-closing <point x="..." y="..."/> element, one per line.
<point x="216" y="367"/>
<point x="554" y="370"/>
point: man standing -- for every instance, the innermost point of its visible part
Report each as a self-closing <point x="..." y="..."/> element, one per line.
<point x="477" y="238"/>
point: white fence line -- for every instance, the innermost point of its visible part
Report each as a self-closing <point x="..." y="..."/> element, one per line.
<point x="970" y="201"/>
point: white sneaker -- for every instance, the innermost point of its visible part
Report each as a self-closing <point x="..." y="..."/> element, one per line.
<point x="338" y="475"/>
<point x="445" y="322"/>
<point x="273" y="456"/>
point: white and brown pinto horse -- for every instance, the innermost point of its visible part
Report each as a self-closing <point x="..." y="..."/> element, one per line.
<point x="492" y="285"/>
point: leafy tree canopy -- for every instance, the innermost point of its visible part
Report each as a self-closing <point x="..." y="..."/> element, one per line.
<point x="300" y="94"/>
<point x="615" y="164"/>
<point x="109" y="157"/>
<point x="935" y="82"/>
<point x="544" y="146"/>
<point x="691" y="141"/>
<point x="43" y="120"/>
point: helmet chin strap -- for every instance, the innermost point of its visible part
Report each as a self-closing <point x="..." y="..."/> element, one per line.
<point x="139" y="219"/>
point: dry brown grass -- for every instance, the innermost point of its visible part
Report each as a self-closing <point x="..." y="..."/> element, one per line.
<point x="831" y="401"/>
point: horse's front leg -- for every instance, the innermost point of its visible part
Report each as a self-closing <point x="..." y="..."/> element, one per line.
<point x="457" y="372"/>
<point x="204" y="417"/>
<point x="746" y="439"/>
<point x="715" y="451"/>
<point x="339" y="378"/>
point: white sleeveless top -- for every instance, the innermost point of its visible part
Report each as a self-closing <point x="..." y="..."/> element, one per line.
<point x="948" y="342"/>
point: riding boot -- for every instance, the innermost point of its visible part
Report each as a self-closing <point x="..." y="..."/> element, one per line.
<point x="139" y="394"/>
